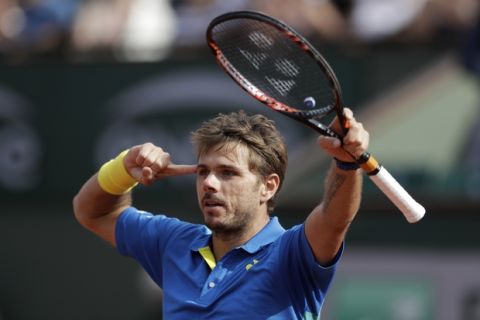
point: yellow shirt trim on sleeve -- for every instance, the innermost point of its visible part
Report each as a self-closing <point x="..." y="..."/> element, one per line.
<point x="208" y="256"/>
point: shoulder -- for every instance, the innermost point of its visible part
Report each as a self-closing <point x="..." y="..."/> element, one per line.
<point x="144" y="219"/>
<point x="291" y="236"/>
<point x="138" y="226"/>
<point x="294" y="257"/>
<point x="293" y="244"/>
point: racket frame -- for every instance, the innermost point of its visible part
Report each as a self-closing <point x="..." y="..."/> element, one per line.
<point x="260" y="95"/>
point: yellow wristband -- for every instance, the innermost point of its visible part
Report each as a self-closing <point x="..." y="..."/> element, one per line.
<point x="114" y="178"/>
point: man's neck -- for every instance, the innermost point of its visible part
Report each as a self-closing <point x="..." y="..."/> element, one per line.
<point x="223" y="243"/>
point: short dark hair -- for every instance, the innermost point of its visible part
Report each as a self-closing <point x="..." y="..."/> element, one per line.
<point x="267" y="150"/>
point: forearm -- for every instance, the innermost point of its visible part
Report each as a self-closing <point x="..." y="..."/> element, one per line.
<point x="328" y="223"/>
<point x="98" y="210"/>
<point x="342" y="197"/>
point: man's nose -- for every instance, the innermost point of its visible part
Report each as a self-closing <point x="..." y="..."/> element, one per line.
<point x="211" y="182"/>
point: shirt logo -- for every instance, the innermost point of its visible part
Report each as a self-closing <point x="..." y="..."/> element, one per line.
<point x="248" y="266"/>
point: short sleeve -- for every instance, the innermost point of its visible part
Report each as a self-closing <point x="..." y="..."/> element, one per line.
<point x="144" y="236"/>
<point x="299" y="262"/>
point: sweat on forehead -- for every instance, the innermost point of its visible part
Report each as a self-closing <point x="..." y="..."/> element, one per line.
<point x="233" y="151"/>
<point x="236" y="152"/>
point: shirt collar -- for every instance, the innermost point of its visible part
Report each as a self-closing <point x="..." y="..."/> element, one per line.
<point x="203" y="240"/>
<point x="267" y="235"/>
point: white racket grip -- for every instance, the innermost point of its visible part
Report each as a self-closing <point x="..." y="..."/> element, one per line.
<point x="412" y="210"/>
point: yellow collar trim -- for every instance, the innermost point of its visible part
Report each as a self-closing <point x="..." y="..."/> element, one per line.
<point x="208" y="256"/>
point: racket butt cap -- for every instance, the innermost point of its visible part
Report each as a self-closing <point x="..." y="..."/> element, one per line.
<point x="415" y="214"/>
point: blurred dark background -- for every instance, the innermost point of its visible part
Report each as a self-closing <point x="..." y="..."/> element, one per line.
<point x="81" y="80"/>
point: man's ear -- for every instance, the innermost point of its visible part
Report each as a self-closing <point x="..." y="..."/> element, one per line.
<point x="270" y="187"/>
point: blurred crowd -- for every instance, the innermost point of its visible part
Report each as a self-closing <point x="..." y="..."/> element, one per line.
<point x="150" y="30"/>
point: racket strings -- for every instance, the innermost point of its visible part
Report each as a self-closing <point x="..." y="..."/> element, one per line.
<point x="316" y="114"/>
<point x="274" y="63"/>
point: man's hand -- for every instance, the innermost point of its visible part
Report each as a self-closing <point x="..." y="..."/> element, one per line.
<point x="147" y="163"/>
<point x="355" y="143"/>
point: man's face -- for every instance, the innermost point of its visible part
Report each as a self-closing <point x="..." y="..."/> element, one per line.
<point x="229" y="194"/>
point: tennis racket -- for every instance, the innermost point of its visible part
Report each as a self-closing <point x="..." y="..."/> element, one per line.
<point x="281" y="69"/>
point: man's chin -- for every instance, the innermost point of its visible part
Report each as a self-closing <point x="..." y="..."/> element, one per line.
<point x="222" y="229"/>
<point x="214" y="223"/>
<point x="217" y="224"/>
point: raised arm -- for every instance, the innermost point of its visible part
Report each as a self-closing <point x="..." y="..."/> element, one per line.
<point x="328" y="223"/>
<point x="98" y="210"/>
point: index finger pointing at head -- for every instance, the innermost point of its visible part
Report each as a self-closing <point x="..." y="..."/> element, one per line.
<point x="179" y="169"/>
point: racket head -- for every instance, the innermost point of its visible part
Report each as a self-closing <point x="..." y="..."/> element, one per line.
<point x="277" y="66"/>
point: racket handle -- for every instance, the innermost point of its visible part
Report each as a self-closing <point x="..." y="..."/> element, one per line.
<point x="412" y="210"/>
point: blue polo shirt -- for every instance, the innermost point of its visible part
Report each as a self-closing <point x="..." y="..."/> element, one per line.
<point x="272" y="276"/>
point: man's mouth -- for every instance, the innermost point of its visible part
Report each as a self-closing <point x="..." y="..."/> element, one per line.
<point x="211" y="202"/>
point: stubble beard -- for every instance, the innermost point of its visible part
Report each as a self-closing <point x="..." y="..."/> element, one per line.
<point x="234" y="228"/>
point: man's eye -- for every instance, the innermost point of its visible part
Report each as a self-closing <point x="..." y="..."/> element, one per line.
<point x="202" y="172"/>
<point x="229" y="173"/>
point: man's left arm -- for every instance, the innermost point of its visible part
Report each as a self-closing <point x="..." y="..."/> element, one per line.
<point x="327" y="224"/>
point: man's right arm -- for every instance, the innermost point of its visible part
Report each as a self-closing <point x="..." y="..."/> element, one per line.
<point x="98" y="210"/>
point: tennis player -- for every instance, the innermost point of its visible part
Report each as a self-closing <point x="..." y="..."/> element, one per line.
<point x="241" y="264"/>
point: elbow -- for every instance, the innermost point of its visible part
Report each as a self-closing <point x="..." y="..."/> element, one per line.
<point x="79" y="211"/>
<point x="76" y="207"/>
